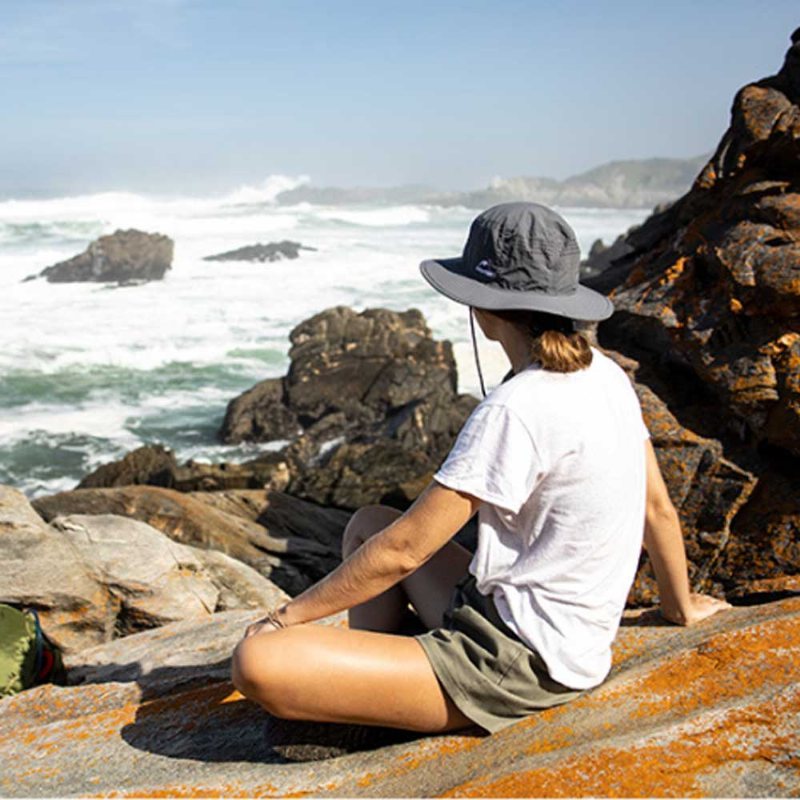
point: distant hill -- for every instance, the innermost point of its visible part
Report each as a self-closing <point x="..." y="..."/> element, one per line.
<point x="641" y="183"/>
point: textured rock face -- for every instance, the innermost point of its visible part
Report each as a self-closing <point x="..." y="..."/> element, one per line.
<point x="708" y="299"/>
<point x="274" y="251"/>
<point x="374" y="398"/>
<point x="156" y="580"/>
<point x="123" y="256"/>
<point x="39" y="568"/>
<point x="714" y="281"/>
<point x="95" y="577"/>
<point x="707" y="490"/>
<point x="292" y="542"/>
<point x="707" y="711"/>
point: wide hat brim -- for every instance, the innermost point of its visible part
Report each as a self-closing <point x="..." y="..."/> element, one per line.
<point x="446" y="275"/>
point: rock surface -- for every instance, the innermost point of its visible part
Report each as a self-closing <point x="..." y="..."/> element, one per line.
<point x="706" y="488"/>
<point x="99" y="576"/>
<point x="292" y="542"/>
<point x="712" y="283"/>
<point x="374" y="398"/>
<point x="274" y="251"/>
<point x="710" y="710"/>
<point x="602" y="256"/>
<point x="123" y="256"/>
<point x="156" y="580"/>
<point x="155" y="465"/>
<point x="40" y="569"/>
<point x="708" y="300"/>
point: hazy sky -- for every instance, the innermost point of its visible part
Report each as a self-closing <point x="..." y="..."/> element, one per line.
<point x="203" y="95"/>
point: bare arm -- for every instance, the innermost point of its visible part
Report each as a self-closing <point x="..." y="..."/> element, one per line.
<point x="386" y="558"/>
<point x="663" y="541"/>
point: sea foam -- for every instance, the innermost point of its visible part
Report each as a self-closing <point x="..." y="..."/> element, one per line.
<point x="89" y="371"/>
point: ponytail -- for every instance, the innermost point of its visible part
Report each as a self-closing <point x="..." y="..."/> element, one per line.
<point x="560" y="352"/>
<point x="555" y="344"/>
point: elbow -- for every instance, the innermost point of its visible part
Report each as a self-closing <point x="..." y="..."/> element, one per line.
<point x="394" y="557"/>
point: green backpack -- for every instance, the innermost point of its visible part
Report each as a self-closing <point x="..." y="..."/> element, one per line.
<point x="27" y="658"/>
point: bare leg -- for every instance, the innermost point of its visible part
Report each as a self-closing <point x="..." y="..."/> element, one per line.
<point x="428" y="590"/>
<point x="315" y="672"/>
<point x="384" y="612"/>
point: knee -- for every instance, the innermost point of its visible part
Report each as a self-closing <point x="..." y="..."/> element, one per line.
<point x="267" y="669"/>
<point x="256" y="671"/>
<point x="366" y="522"/>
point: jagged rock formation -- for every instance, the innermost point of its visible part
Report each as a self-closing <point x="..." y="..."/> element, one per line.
<point x="124" y="256"/>
<point x="274" y="251"/>
<point x="373" y="396"/>
<point x="602" y="256"/>
<point x="708" y="299"/>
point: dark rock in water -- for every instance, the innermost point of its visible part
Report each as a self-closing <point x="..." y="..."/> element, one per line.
<point x="155" y="465"/>
<point x="127" y="257"/>
<point x="151" y="464"/>
<point x="260" y="414"/>
<point x="602" y="256"/>
<point x="708" y="300"/>
<point x="274" y="251"/>
<point x="375" y="398"/>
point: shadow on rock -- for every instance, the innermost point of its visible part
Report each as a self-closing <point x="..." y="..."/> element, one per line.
<point x="215" y="723"/>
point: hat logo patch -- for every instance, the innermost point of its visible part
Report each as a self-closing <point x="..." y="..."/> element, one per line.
<point x="486" y="269"/>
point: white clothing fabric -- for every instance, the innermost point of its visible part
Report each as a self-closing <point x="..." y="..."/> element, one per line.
<point x="559" y="461"/>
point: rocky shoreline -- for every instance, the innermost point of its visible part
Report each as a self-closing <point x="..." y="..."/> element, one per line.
<point x="147" y="573"/>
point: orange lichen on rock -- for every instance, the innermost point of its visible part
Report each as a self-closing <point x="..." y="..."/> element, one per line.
<point x="677" y="767"/>
<point x="671" y="274"/>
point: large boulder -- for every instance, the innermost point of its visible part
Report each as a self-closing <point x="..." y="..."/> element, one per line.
<point x="706" y="711"/>
<point x="292" y="542"/>
<point x="123" y="257"/>
<point x="154" y="580"/>
<point x="95" y="577"/>
<point x="373" y="398"/>
<point x="707" y="490"/>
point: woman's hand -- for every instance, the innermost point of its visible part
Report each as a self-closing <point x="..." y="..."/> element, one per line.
<point x="700" y="606"/>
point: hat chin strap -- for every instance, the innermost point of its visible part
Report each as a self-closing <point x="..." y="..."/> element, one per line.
<point x="475" y="350"/>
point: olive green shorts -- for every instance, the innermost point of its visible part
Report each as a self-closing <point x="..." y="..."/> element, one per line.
<point x="491" y="675"/>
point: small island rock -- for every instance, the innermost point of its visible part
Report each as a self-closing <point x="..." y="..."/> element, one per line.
<point x="125" y="257"/>
<point x="274" y="251"/>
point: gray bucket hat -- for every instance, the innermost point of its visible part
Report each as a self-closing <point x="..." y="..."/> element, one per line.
<point x="519" y="256"/>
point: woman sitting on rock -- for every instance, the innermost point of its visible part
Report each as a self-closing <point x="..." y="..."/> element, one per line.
<point x="558" y="465"/>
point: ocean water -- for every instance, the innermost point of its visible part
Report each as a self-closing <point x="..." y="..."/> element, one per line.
<point x="91" y="371"/>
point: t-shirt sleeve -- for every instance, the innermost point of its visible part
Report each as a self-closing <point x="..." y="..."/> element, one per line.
<point x="494" y="459"/>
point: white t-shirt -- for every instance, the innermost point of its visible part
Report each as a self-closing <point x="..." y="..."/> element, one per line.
<point x="559" y="461"/>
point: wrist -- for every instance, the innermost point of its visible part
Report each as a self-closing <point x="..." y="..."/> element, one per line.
<point x="283" y="616"/>
<point x="673" y="615"/>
